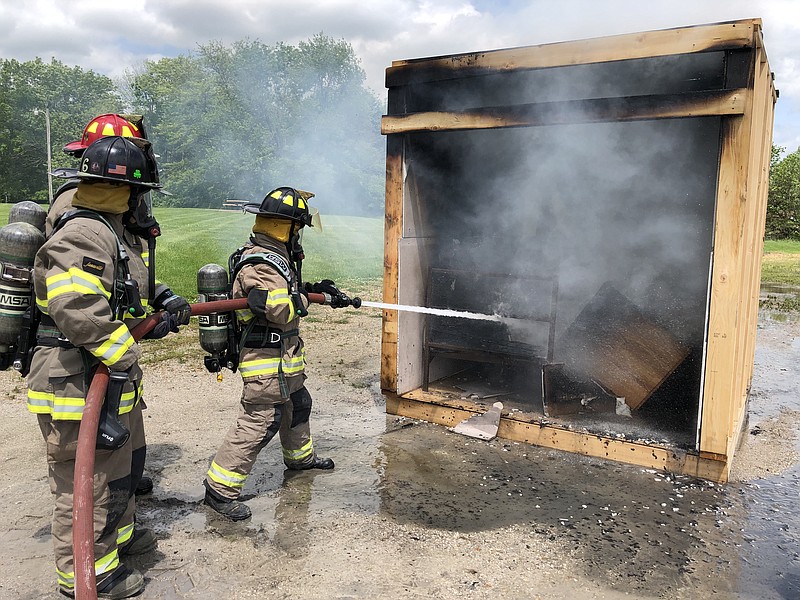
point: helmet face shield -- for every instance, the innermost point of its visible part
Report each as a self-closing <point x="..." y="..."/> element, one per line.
<point x="144" y="208"/>
<point x="139" y="218"/>
<point x="316" y="218"/>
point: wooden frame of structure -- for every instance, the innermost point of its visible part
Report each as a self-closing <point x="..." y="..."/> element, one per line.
<point x="745" y="106"/>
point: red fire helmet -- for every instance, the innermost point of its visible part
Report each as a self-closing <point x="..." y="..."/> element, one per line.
<point x="102" y="126"/>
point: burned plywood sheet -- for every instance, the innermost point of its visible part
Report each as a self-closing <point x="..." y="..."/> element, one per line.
<point x="613" y="343"/>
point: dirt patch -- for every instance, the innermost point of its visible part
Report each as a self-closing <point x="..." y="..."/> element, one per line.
<point x="413" y="510"/>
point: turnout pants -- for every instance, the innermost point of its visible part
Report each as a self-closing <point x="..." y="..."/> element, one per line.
<point x="263" y="413"/>
<point x="114" y="498"/>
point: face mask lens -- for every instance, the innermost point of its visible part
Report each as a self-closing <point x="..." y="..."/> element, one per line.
<point x="146" y="204"/>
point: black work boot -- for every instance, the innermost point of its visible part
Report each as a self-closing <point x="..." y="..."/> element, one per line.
<point x="145" y="486"/>
<point x="121" y="583"/>
<point x="143" y="540"/>
<point x="326" y="464"/>
<point x="230" y="509"/>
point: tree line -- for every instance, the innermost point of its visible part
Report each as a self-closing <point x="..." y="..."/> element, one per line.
<point x="783" y="204"/>
<point x="227" y="122"/>
<point x="233" y="122"/>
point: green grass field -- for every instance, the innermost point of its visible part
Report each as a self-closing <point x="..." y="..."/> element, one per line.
<point x="781" y="262"/>
<point x="348" y="250"/>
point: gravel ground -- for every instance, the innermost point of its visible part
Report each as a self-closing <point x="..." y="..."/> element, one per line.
<point x="415" y="511"/>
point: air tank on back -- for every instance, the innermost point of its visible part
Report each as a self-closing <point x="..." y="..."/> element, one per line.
<point x="19" y="242"/>
<point x="28" y="212"/>
<point x="212" y="285"/>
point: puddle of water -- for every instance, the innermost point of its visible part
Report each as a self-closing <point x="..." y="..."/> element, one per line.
<point x="636" y="531"/>
<point x="768" y="564"/>
<point x="779" y="288"/>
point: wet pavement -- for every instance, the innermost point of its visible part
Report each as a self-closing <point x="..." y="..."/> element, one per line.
<point x="632" y="530"/>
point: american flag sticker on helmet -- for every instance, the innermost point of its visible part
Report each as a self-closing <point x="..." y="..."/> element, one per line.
<point x="117" y="169"/>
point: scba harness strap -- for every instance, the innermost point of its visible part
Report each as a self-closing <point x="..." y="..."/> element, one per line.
<point x="125" y="299"/>
<point x="275" y="260"/>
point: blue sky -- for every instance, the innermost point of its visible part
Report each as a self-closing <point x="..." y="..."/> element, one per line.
<point x="110" y="39"/>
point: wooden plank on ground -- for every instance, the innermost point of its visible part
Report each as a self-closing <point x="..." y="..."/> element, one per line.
<point x="522" y="429"/>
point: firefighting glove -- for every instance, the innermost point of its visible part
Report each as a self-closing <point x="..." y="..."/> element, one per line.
<point x="166" y="324"/>
<point x="175" y="305"/>
<point x="333" y="295"/>
<point x="326" y="286"/>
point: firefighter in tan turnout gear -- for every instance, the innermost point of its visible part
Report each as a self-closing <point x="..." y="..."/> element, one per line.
<point x="101" y="126"/>
<point x="89" y="282"/>
<point x="272" y="360"/>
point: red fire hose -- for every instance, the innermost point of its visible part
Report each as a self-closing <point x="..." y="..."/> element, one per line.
<point x="83" y="499"/>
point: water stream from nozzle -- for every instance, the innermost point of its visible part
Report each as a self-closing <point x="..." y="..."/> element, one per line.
<point x="443" y="312"/>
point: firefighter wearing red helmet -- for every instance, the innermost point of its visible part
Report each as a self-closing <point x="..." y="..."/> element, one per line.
<point x="106" y="125"/>
<point x="90" y="281"/>
<point x="130" y="126"/>
<point x="274" y="399"/>
<point x="100" y="126"/>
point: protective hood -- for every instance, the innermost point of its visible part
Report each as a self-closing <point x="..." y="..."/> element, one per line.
<point x="103" y="197"/>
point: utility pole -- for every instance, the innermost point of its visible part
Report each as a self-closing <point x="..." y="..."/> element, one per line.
<point x="49" y="157"/>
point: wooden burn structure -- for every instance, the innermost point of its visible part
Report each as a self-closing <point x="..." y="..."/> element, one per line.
<point x="668" y="135"/>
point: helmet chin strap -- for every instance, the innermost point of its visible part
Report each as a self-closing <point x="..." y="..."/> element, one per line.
<point x="144" y="226"/>
<point x="296" y="253"/>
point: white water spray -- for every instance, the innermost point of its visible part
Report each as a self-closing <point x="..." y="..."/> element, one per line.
<point x="433" y="311"/>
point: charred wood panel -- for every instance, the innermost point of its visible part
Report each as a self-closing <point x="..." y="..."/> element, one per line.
<point x="600" y="110"/>
<point x="614" y="344"/>
<point x="720" y="36"/>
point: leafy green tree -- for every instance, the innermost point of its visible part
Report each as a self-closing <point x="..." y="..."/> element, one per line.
<point x="30" y="91"/>
<point x="783" y="204"/>
<point x="236" y="121"/>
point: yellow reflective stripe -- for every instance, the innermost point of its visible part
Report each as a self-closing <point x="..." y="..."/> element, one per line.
<point x="75" y="280"/>
<point x="291" y="310"/>
<point x="124" y="534"/>
<point x="277" y="297"/>
<point x="126" y="401"/>
<point x="42" y="304"/>
<point x="61" y="408"/>
<point x="226" y="477"/>
<point x="146" y="258"/>
<point x="269" y="366"/>
<point x="244" y="315"/>
<point x="107" y="563"/>
<point x="301" y="453"/>
<point x="115" y="346"/>
<point x="280" y="296"/>
<point x="252" y="368"/>
<point x="71" y="409"/>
